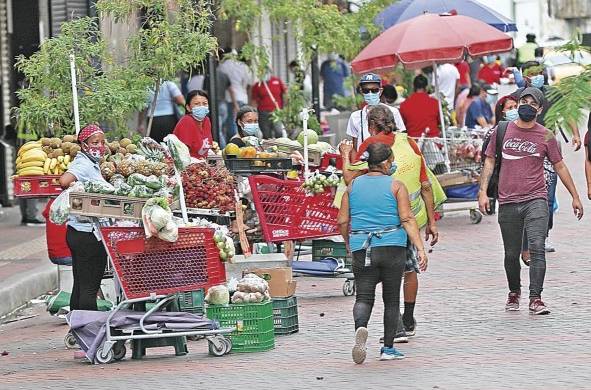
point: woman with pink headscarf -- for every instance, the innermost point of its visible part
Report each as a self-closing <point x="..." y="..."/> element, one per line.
<point x="89" y="257"/>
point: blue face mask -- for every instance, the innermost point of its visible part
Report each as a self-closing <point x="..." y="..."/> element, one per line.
<point x="537" y="81"/>
<point x="251" y="128"/>
<point x="371" y="98"/>
<point x="392" y="169"/>
<point x="512" y="115"/>
<point x="199" y="112"/>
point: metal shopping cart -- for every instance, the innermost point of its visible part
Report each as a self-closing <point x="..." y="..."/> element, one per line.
<point x="152" y="270"/>
<point x="457" y="162"/>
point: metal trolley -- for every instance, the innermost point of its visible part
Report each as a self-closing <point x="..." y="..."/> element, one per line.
<point x="457" y="158"/>
<point x="151" y="270"/>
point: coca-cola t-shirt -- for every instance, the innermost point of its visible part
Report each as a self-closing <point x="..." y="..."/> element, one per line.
<point x="522" y="168"/>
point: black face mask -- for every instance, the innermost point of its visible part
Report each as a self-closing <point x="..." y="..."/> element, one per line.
<point x="527" y="113"/>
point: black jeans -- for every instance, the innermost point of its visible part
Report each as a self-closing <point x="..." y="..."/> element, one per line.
<point x="387" y="267"/>
<point x="89" y="259"/>
<point x="514" y="218"/>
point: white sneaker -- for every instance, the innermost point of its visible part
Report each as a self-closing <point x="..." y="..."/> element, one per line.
<point x="548" y="246"/>
<point x="359" y="352"/>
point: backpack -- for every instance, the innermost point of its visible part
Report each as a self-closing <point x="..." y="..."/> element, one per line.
<point x="493" y="185"/>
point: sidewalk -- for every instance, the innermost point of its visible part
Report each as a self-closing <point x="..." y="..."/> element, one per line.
<point x="25" y="270"/>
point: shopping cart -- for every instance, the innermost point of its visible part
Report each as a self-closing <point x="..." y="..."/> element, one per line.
<point x="152" y="270"/>
<point x="286" y="212"/>
<point x="457" y="162"/>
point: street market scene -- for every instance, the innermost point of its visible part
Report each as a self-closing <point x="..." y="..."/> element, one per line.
<point x="295" y="194"/>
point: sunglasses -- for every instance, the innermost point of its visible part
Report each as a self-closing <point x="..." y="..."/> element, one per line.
<point x="370" y="90"/>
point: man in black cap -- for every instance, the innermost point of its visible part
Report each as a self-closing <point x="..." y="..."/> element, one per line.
<point x="522" y="194"/>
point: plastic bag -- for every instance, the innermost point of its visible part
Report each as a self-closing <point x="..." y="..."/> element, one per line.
<point x="140" y="191"/>
<point x="179" y="152"/>
<point x="98" y="187"/>
<point x="116" y="180"/>
<point x="153" y="183"/>
<point x="59" y="212"/>
<point x="158" y="220"/>
<point x="136" y="179"/>
<point x="122" y="189"/>
<point x="218" y="295"/>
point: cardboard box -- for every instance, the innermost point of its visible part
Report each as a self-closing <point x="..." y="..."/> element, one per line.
<point x="454" y="178"/>
<point x="281" y="283"/>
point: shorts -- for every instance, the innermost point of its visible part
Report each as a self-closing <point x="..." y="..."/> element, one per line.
<point x="412" y="259"/>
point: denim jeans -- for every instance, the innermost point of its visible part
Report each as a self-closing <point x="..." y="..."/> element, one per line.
<point x="552" y="182"/>
<point x="387" y="267"/>
<point x="514" y="218"/>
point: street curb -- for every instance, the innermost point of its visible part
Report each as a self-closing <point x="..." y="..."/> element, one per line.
<point x="19" y="289"/>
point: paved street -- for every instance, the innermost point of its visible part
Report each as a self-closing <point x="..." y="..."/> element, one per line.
<point x="465" y="338"/>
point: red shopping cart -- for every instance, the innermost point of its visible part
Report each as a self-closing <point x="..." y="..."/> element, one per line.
<point x="287" y="212"/>
<point x="152" y="270"/>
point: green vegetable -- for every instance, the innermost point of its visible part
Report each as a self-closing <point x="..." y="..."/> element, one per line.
<point x="153" y="182"/>
<point x="140" y="191"/>
<point x="136" y="179"/>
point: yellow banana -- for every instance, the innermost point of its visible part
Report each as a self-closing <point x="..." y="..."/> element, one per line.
<point x="63" y="167"/>
<point x="30" y="164"/>
<point x="32" y="171"/>
<point x="46" y="165"/>
<point x="56" y="171"/>
<point x="67" y="159"/>
<point x="32" y="155"/>
<point x="28" y="146"/>
<point x="18" y="160"/>
<point x="53" y="163"/>
<point x="60" y="158"/>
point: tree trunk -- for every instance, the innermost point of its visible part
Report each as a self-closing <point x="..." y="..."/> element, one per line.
<point x="153" y="107"/>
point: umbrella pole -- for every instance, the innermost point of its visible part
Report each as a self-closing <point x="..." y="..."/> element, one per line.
<point x="441" y="118"/>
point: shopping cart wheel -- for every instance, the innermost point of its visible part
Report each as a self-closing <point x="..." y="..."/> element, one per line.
<point x="104" y="357"/>
<point x="217" y="346"/>
<point x="119" y="350"/>
<point x="475" y="216"/>
<point x="228" y="343"/>
<point x="70" y="341"/>
<point x="349" y="287"/>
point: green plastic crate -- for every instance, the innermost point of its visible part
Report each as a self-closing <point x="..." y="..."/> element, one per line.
<point x="192" y="301"/>
<point x="321" y="249"/>
<point x="253" y="322"/>
<point x="285" y="315"/>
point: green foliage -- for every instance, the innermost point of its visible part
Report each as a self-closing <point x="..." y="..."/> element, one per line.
<point x="290" y="114"/>
<point x="107" y="92"/>
<point x="175" y="35"/>
<point x="571" y="95"/>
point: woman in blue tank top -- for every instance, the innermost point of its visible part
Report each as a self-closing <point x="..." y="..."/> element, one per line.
<point x="375" y="219"/>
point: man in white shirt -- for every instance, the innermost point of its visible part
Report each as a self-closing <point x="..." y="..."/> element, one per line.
<point x="448" y="77"/>
<point x="370" y="86"/>
<point x="241" y="79"/>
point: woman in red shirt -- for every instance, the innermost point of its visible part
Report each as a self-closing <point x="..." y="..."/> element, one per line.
<point x="194" y="128"/>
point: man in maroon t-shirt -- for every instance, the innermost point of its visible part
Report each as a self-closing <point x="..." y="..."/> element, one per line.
<point x="523" y="195"/>
<point x="420" y="111"/>
<point x="268" y="95"/>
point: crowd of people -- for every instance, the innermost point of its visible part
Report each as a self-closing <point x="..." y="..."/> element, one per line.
<point x="389" y="193"/>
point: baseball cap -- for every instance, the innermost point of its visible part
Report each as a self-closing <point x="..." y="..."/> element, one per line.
<point x="370" y="78"/>
<point x="490" y="89"/>
<point x="536" y="93"/>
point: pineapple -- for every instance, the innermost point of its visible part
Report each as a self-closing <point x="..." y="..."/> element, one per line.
<point x="108" y="170"/>
<point x="126" y="167"/>
<point x="159" y="169"/>
<point x="144" y="167"/>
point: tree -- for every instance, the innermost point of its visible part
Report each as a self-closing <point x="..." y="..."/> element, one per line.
<point x="571" y="96"/>
<point x="174" y="36"/>
<point x="108" y="92"/>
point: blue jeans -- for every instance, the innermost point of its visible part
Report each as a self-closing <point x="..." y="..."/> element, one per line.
<point x="514" y="218"/>
<point x="61" y="260"/>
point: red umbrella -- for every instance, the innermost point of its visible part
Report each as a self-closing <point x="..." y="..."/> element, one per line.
<point x="430" y="38"/>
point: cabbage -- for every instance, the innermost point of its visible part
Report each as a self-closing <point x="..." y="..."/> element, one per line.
<point x="160" y="217"/>
<point x="218" y="295"/>
<point x="170" y="232"/>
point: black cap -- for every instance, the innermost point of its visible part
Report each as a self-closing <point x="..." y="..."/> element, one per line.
<point x="536" y="93"/>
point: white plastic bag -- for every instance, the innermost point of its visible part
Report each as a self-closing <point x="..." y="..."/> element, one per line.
<point x="59" y="212"/>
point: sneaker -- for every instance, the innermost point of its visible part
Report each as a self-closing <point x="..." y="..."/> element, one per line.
<point x="537" y="307"/>
<point x="512" y="302"/>
<point x="359" y="351"/>
<point x="411" y="330"/>
<point x="390" y="354"/>
<point x="549" y="247"/>
<point x="401" y="337"/>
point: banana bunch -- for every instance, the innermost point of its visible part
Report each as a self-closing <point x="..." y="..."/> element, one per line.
<point x="31" y="159"/>
<point x="57" y="165"/>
